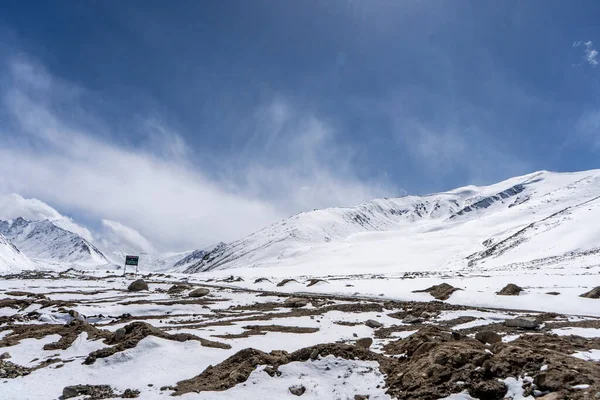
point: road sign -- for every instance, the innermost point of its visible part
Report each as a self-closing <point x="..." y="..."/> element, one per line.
<point x="132" y="260"/>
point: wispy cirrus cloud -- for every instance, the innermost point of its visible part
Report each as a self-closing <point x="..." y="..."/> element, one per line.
<point x="590" y="55"/>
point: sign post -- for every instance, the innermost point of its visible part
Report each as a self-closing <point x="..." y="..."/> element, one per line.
<point x="131" y="260"/>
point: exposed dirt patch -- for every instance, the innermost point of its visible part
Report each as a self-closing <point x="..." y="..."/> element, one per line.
<point x="434" y="362"/>
<point x="130" y="335"/>
<point x="238" y="367"/>
<point x="25" y="294"/>
<point x="19" y="304"/>
<point x="68" y="333"/>
<point x="252" y="330"/>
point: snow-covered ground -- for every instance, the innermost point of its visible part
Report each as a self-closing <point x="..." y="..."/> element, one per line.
<point x="240" y="319"/>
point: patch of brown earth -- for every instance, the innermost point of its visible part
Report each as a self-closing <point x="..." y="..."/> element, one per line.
<point x="253" y="330"/>
<point x="129" y="336"/>
<point x="434" y="362"/>
<point x="25" y="294"/>
<point x="238" y="367"/>
<point x="296" y="312"/>
<point x="19" y="304"/>
<point x="199" y="301"/>
<point x="68" y="333"/>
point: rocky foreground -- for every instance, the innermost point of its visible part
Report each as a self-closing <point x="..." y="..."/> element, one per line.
<point x="71" y="335"/>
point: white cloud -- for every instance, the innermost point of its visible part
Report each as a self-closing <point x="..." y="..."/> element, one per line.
<point x="590" y="53"/>
<point x="119" y="236"/>
<point x="52" y="155"/>
<point x="13" y="206"/>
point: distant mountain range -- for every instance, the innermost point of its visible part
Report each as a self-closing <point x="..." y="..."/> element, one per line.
<point x="540" y="218"/>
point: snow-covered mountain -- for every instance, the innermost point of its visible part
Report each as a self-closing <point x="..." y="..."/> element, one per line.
<point x="193" y="258"/>
<point x="528" y="219"/>
<point x="45" y="242"/>
<point x="11" y="258"/>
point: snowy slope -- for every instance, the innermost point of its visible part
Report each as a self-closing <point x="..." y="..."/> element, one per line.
<point x="11" y="258"/>
<point x="45" y="242"/>
<point x="536" y="217"/>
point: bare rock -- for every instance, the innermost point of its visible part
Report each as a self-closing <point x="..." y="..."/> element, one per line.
<point x="130" y="394"/>
<point x="259" y="280"/>
<point x="525" y="323"/>
<point x="297" y="390"/>
<point x="295" y="302"/>
<point x="371" y="323"/>
<point x="412" y="320"/>
<point x="76" y="315"/>
<point x="178" y="288"/>
<point x="313" y="282"/>
<point x="4" y="356"/>
<point x="510" y="290"/>
<point x="553" y="293"/>
<point x="138" y="285"/>
<point x="440" y="292"/>
<point x="93" y="391"/>
<point x="361" y="397"/>
<point x="200" y="292"/>
<point x="364" y="343"/>
<point x="285" y="282"/>
<point x="119" y="334"/>
<point x="492" y="390"/>
<point x="552" y="396"/>
<point x="592" y="294"/>
<point x="488" y="337"/>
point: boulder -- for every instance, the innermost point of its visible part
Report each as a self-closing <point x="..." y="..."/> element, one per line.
<point x="592" y="294"/>
<point x="490" y="337"/>
<point x="510" y="290"/>
<point x="371" y="323"/>
<point x="178" y="288"/>
<point x="295" y="302"/>
<point x="138" y="285"/>
<point x="525" y="323"/>
<point x="439" y="292"/>
<point x="361" y="397"/>
<point x="199" y="292"/>
<point x="119" y="334"/>
<point x="297" y="390"/>
<point x="553" y="293"/>
<point x="364" y="343"/>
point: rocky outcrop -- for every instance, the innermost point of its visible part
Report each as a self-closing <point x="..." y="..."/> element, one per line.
<point x="510" y="290"/>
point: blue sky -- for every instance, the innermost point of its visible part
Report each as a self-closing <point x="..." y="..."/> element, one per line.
<point x="249" y="111"/>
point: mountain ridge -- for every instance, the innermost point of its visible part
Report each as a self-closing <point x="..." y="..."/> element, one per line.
<point x="520" y="199"/>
